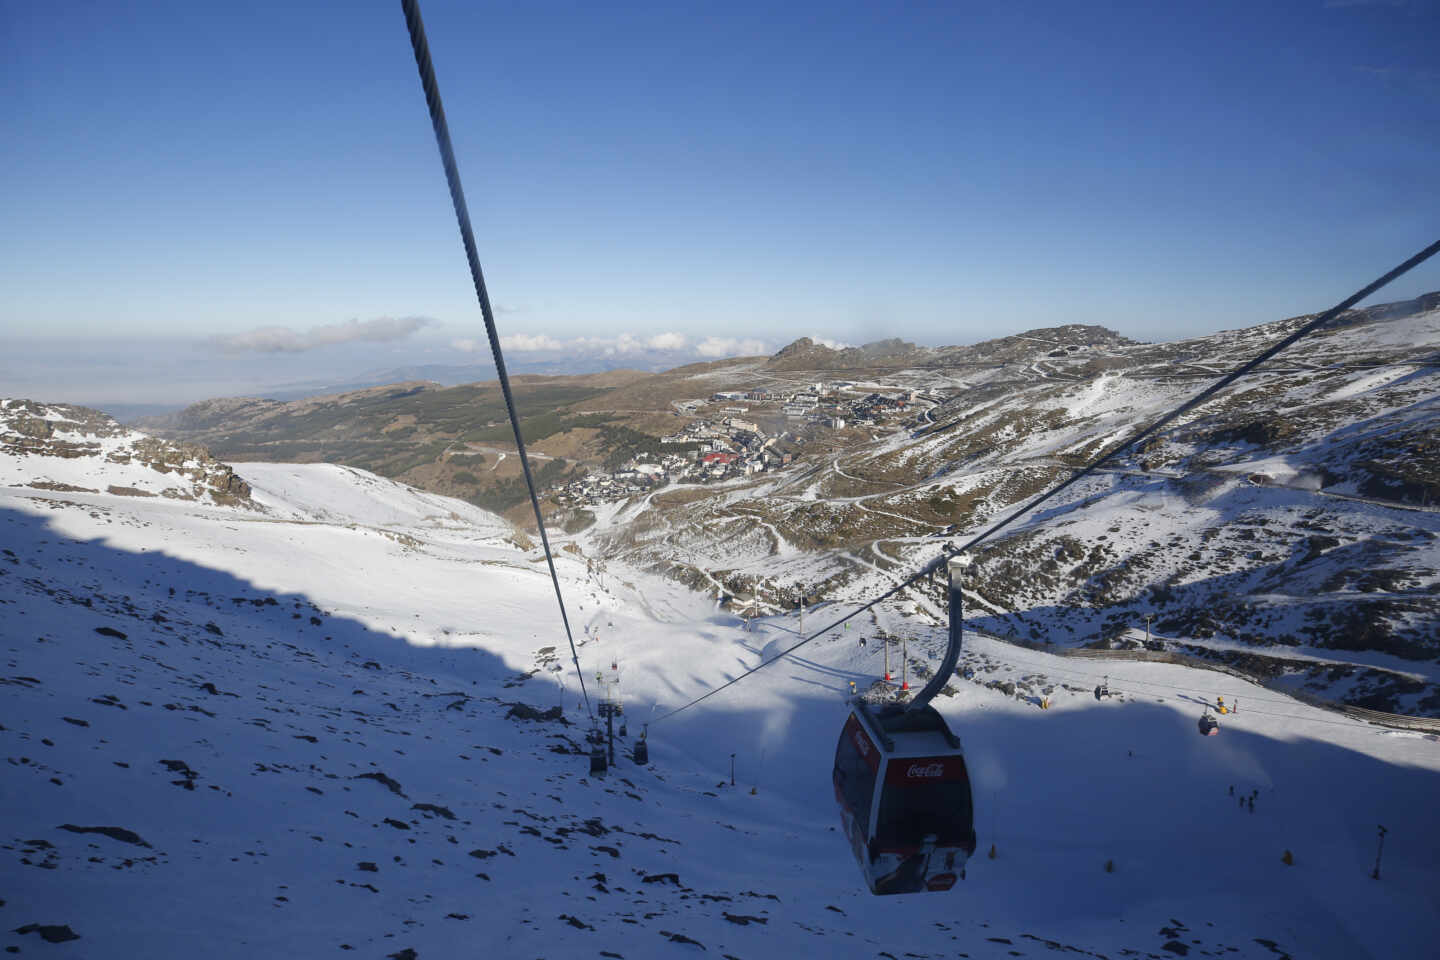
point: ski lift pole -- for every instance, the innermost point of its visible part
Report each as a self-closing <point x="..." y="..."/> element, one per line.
<point x="904" y="666"/>
<point x="1375" y="874"/>
<point x="610" y="728"/>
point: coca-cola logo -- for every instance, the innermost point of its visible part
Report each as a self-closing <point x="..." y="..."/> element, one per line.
<point x="926" y="770"/>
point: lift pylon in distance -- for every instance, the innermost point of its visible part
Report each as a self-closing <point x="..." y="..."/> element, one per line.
<point x="903" y="788"/>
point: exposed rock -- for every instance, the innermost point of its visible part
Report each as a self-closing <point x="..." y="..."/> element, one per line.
<point x="28" y="428"/>
<point x="114" y="833"/>
<point x="523" y="711"/>
<point x="50" y="933"/>
<point x="681" y="938"/>
<point x="390" y="784"/>
<point x="32" y="427"/>
<point x="439" y="811"/>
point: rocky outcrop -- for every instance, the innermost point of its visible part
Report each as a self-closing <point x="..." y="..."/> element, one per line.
<point x="806" y="354"/>
<point x="33" y="436"/>
<point x="1067" y="340"/>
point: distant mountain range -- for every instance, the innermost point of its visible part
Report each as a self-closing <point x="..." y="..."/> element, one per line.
<point x="532" y="362"/>
<point x="1290" y="524"/>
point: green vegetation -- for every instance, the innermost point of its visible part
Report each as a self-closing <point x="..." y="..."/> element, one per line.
<point x="537" y="428"/>
<point x="620" y="444"/>
<point x="576" y="520"/>
<point x="506" y="493"/>
<point x="354" y="433"/>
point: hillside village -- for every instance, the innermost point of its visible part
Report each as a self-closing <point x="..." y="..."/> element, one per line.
<point x="737" y="433"/>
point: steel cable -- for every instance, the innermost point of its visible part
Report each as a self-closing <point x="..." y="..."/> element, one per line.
<point x="467" y="235"/>
<point x="1320" y="321"/>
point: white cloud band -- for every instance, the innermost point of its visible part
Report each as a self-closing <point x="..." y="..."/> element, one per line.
<point x="286" y="340"/>
<point x="625" y="343"/>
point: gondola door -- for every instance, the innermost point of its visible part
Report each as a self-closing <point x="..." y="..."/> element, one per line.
<point x="857" y="769"/>
<point x="924" y="829"/>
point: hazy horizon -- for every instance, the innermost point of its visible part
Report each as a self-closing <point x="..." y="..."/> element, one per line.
<point x="143" y="376"/>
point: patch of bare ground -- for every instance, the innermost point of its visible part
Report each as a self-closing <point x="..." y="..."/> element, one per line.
<point x="1082" y="453"/>
<point x="400" y="423"/>
<point x="896" y="468"/>
<point x="577" y="443"/>
<point x="847" y="485"/>
<point x="1013" y="486"/>
<point x="679" y="498"/>
<point x="576" y="520"/>
<point x="685" y="574"/>
<point x="891" y="549"/>
<point x="997" y="433"/>
<point x="927" y="508"/>
<point x="828" y="526"/>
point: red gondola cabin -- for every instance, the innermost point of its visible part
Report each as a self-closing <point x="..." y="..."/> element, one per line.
<point x="904" y="796"/>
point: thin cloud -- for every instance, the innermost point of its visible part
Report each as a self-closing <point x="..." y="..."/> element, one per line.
<point x="286" y="340"/>
<point x="519" y="342"/>
<point x="625" y="343"/>
<point x="668" y="341"/>
<point x="832" y="344"/>
<point x="730" y="347"/>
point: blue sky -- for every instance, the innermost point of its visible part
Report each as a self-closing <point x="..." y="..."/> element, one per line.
<point x="748" y="173"/>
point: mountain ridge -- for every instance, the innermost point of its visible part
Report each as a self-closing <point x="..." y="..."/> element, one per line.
<point x="1292" y="515"/>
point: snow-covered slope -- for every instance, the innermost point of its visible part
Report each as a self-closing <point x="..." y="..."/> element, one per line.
<point x="1293" y="516"/>
<point x="285" y="730"/>
<point x="63" y="447"/>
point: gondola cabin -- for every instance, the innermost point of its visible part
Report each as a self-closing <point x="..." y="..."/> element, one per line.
<point x="904" y="796"/>
<point x="1209" y="726"/>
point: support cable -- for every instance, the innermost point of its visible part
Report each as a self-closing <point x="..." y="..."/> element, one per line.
<point x="467" y="235"/>
<point x="1225" y="381"/>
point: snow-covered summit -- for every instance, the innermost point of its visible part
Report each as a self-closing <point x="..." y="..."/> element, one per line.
<point x="64" y="448"/>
